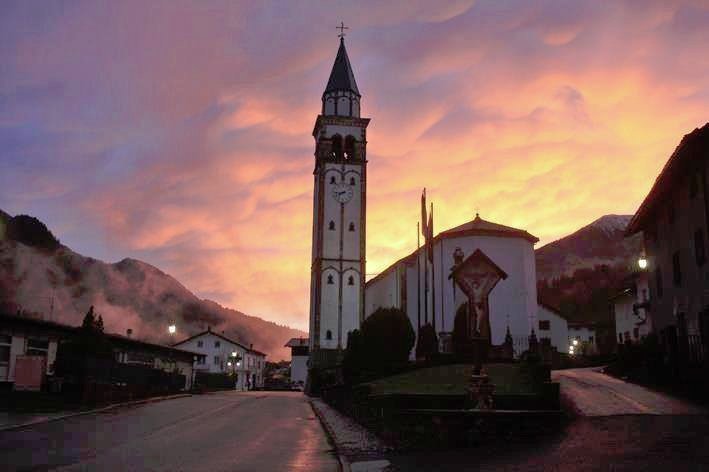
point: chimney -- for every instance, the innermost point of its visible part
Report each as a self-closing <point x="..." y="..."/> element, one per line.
<point x="209" y="329"/>
<point x="251" y="346"/>
<point x="129" y="332"/>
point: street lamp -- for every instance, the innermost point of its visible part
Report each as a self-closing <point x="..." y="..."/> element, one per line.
<point x="172" y="329"/>
<point x="642" y="263"/>
<point x="575" y="343"/>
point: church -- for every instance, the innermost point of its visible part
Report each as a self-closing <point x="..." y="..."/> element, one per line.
<point x="488" y="265"/>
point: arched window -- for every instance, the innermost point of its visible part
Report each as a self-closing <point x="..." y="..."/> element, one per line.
<point x="328" y="335"/>
<point x="337" y="147"/>
<point x="349" y="147"/>
<point x="331" y="226"/>
<point x="352" y="226"/>
<point x="332" y="179"/>
<point x="350" y="280"/>
<point x="329" y="280"/>
<point x="352" y="181"/>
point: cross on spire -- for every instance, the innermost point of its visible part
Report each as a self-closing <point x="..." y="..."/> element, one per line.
<point x="342" y="29"/>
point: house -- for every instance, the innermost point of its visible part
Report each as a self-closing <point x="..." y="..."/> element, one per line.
<point x="553" y="326"/>
<point x="223" y="355"/>
<point x="584" y="335"/>
<point x="28" y="350"/>
<point x="299" y="360"/>
<point x="674" y="221"/>
<point x="630" y="308"/>
<point x="429" y="293"/>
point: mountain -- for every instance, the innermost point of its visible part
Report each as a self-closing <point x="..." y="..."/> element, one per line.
<point x="48" y="280"/>
<point x="599" y="243"/>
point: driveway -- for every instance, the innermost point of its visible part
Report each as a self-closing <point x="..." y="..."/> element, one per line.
<point x="232" y="431"/>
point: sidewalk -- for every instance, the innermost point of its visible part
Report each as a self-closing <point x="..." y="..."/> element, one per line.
<point x="12" y="420"/>
<point x="354" y="443"/>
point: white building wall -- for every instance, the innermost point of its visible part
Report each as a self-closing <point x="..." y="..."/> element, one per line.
<point x="558" y="332"/>
<point x="515" y="296"/>
<point x="584" y="334"/>
<point x="299" y="369"/>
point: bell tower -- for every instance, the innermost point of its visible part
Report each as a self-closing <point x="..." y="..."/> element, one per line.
<point x="339" y="215"/>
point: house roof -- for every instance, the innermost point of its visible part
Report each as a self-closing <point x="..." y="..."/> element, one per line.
<point x="480" y="227"/>
<point x="551" y="307"/>
<point x="8" y="319"/>
<point x="693" y="147"/>
<point x="209" y="331"/>
<point x="342" y="76"/>
<point x="297" y="342"/>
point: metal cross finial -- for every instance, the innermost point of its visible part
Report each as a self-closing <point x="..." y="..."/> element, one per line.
<point x="342" y="29"/>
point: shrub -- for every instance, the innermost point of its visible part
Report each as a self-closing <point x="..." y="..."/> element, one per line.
<point x="427" y="346"/>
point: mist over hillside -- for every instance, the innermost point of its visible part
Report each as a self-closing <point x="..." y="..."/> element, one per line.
<point x="48" y="280"/>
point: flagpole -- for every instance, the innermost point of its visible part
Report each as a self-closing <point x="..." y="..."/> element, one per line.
<point x="418" y="275"/>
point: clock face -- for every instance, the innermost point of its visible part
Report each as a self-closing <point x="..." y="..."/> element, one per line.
<point x="342" y="193"/>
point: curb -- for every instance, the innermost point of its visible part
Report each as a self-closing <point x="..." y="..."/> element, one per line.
<point x="344" y="463"/>
<point x="88" y="412"/>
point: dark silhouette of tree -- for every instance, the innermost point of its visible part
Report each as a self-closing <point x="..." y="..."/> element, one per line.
<point x="427" y="346"/>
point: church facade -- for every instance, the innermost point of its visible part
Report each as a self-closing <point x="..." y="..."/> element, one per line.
<point x="339" y="215"/>
<point x="431" y="295"/>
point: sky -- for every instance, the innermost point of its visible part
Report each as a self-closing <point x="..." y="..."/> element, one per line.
<point x="179" y="133"/>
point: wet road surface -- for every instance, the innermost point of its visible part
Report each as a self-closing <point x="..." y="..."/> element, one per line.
<point x="232" y="431"/>
<point x="622" y="427"/>
<point x="593" y="393"/>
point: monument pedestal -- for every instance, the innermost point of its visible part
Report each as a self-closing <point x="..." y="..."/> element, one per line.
<point x="480" y="392"/>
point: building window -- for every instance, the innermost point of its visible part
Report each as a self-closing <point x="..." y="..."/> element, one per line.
<point x="658" y="282"/>
<point x="699" y="251"/>
<point x="620" y="338"/>
<point x="693" y="185"/>
<point x="328" y="335"/>
<point x="5" y="343"/>
<point x="216" y="360"/>
<point x="200" y="343"/>
<point x="332" y="179"/>
<point x="352" y="181"/>
<point x="331" y="225"/>
<point x="350" y="280"/>
<point x="37" y="347"/>
<point x="676" y="270"/>
<point x="352" y="226"/>
<point x="217" y="343"/>
<point x="544" y="325"/>
<point x="330" y="281"/>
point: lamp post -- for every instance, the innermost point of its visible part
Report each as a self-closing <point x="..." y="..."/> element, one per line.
<point x="172" y="329"/>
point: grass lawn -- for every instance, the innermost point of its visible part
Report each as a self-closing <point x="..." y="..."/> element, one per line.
<point x="453" y="380"/>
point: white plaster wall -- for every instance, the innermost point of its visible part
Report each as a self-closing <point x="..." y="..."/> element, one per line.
<point x="515" y="296"/>
<point x="344" y="131"/>
<point x="584" y="334"/>
<point x="328" y="306"/>
<point x="558" y="331"/>
<point x="350" y="302"/>
<point x="223" y="351"/>
<point x="299" y="369"/>
<point x="382" y="293"/>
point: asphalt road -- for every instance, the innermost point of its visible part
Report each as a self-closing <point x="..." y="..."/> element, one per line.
<point x="593" y="393"/>
<point x="232" y="431"/>
<point x="621" y="427"/>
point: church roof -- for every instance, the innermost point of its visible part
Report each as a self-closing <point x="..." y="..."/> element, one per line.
<point x="480" y="227"/>
<point x="342" y="76"/>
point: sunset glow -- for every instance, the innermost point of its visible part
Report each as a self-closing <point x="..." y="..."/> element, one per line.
<point x="179" y="133"/>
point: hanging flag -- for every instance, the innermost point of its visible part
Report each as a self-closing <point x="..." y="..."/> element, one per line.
<point x="424" y="231"/>
<point x="429" y="236"/>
